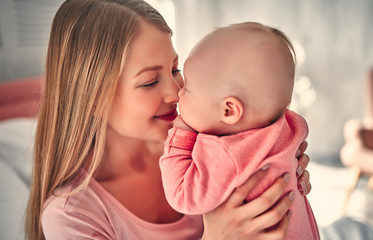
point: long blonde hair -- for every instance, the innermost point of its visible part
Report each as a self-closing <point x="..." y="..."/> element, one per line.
<point x="86" y="51"/>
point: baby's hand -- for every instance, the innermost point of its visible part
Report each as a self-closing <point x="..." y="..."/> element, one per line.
<point x="179" y="123"/>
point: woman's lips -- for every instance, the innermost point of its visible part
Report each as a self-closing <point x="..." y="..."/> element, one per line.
<point x="168" y="116"/>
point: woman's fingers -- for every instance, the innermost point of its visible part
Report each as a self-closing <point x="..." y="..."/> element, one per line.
<point x="304" y="184"/>
<point x="276" y="213"/>
<point x="265" y="201"/>
<point x="280" y="231"/>
<point x="302" y="164"/>
<point x="302" y="148"/>
<point x="240" y="193"/>
<point x="264" y="217"/>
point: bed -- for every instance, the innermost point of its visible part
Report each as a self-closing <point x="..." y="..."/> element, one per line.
<point x="19" y="103"/>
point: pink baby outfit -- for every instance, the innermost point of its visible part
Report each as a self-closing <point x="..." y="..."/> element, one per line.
<point x="94" y="213"/>
<point x="200" y="171"/>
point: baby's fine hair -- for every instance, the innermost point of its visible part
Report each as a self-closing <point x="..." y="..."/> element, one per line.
<point x="261" y="27"/>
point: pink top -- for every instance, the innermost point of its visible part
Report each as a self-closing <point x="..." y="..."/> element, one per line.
<point x="94" y="213"/>
<point x="200" y="171"/>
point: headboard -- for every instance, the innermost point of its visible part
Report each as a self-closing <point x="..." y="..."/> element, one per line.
<point x="20" y="97"/>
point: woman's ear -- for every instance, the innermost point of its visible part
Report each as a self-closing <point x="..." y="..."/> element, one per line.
<point x="231" y="110"/>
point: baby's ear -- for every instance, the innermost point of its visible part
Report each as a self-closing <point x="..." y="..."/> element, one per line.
<point x="231" y="110"/>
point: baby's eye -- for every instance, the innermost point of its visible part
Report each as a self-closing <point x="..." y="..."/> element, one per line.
<point x="148" y="85"/>
<point x="184" y="90"/>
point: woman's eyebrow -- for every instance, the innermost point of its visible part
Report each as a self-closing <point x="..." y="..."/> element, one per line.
<point x="154" y="68"/>
<point x="146" y="69"/>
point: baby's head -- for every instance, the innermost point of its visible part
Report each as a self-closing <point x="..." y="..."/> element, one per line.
<point x="237" y="78"/>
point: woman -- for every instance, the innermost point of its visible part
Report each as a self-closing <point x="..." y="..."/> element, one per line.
<point x="110" y="96"/>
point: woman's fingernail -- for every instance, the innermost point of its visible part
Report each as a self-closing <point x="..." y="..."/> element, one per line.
<point x="287" y="177"/>
<point x="289" y="214"/>
<point x="265" y="167"/>
<point x="303" y="185"/>
<point x="291" y="196"/>
<point x="299" y="171"/>
<point x="298" y="153"/>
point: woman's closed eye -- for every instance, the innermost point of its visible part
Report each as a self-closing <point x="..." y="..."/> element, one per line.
<point x="151" y="84"/>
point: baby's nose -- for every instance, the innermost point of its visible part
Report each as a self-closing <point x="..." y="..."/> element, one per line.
<point x="180" y="92"/>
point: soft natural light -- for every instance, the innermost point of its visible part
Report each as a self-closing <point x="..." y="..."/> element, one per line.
<point x="299" y="52"/>
<point x="304" y="93"/>
<point x="167" y="9"/>
<point x="328" y="195"/>
<point x="307" y="94"/>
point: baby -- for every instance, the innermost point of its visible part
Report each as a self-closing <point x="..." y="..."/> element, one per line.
<point x="234" y="119"/>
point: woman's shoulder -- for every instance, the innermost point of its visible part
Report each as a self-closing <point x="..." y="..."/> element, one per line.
<point x="82" y="212"/>
<point x="64" y="197"/>
<point x="94" y="213"/>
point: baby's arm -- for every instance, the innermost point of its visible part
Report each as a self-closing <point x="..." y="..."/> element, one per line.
<point x="196" y="182"/>
<point x="179" y="123"/>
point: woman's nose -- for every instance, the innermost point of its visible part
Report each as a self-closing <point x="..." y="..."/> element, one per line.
<point x="171" y="93"/>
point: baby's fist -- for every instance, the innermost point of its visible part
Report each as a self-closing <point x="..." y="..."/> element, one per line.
<point x="179" y="123"/>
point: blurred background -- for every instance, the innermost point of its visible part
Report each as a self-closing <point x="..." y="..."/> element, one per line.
<point x="334" y="45"/>
<point x="333" y="39"/>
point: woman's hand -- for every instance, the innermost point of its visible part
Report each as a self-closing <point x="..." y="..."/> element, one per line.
<point x="304" y="184"/>
<point x="266" y="217"/>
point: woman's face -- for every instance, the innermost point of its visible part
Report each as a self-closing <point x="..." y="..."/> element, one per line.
<point x="146" y="97"/>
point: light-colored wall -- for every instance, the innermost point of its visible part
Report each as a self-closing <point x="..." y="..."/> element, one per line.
<point x="337" y="38"/>
<point x="24" y="32"/>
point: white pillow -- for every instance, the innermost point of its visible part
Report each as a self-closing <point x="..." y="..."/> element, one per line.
<point x="17" y="145"/>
